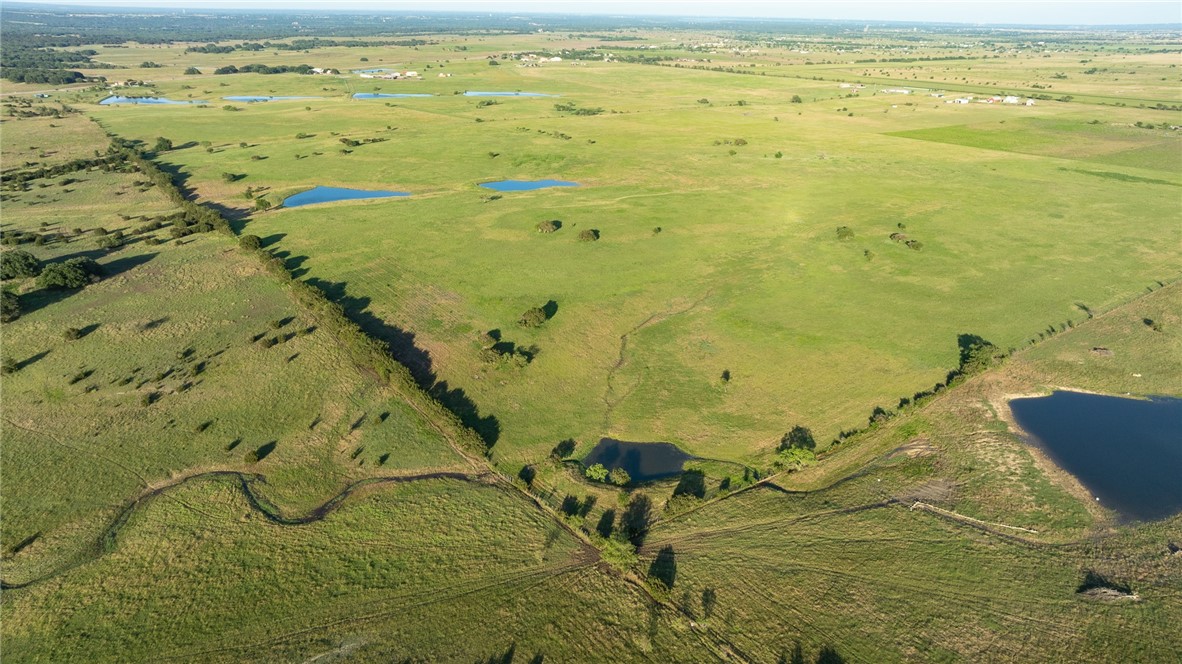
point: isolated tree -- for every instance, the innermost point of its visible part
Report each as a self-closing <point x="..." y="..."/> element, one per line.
<point x="250" y="242"/>
<point x="70" y="274"/>
<point x="71" y="334"/>
<point x="709" y="601"/>
<point x="192" y="71"/>
<point x="18" y="264"/>
<point x="607" y="523"/>
<point x="799" y="437"/>
<point x="637" y="518"/>
<point x="527" y="474"/>
<point x="796" y="99"/>
<point x="262" y="204"/>
<point x="976" y="354"/>
<point x="533" y="317"/>
<point x="563" y="449"/>
<point x="692" y="483"/>
<point x="596" y="472"/>
<point x="664" y="567"/>
<point x="619" y="477"/>
<point x="162" y="144"/>
<point x="10" y="306"/>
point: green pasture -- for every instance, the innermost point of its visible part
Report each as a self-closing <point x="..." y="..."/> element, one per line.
<point x="434" y="570"/>
<point x="746" y="273"/>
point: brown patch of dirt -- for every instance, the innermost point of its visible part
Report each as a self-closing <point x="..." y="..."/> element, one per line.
<point x="1109" y="595"/>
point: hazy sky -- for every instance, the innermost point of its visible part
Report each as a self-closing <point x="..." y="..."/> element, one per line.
<point x="959" y="11"/>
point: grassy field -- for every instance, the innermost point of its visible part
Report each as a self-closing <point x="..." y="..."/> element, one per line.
<point x="812" y="329"/>
<point x="171" y="375"/>
<point x="220" y="584"/>
<point x="209" y="473"/>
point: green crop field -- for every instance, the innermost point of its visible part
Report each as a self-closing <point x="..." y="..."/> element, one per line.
<point x="335" y="432"/>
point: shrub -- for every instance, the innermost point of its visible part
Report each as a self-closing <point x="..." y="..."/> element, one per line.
<point x="18" y="264"/>
<point x="72" y="334"/>
<point x="10" y="306"/>
<point x="269" y="342"/>
<point x="534" y="317"/>
<point x="162" y="144"/>
<point x="799" y="437"/>
<point x="73" y="273"/>
<point x="845" y="233"/>
<point x="589" y="235"/>
<point x="563" y="449"/>
<point x="796" y="99"/>
<point x="619" y="477"/>
<point x="251" y="456"/>
<point x="527" y="474"/>
<point x="596" y="472"/>
<point x="549" y="226"/>
<point x="262" y="204"/>
<point x="8" y="366"/>
<point x="192" y="71"/>
<point x="110" y="242"/>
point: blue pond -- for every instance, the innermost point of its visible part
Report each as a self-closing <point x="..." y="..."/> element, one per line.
<point x="643" y="461"/>
<point x="145" y="100"/>
<point x="384" y="95"/>
<point x="253" y="98"/>
<point x="370" y="71"/>
<point x="330" y="194"/>
<point x="506" y="94"/>
<point x="526" y="185"/>
<point x="1127" y="452"/>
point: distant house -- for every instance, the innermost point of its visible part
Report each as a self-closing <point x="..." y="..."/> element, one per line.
<point x="897" y="91"/>
<point x="556" y="59"/>
<point x="1030" y="102"/>
<point x="1010" y="99"/>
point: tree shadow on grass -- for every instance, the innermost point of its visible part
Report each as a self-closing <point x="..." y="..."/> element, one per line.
<point x="181" y="179"/>
<point x="43" y="297"/>
<point x="401" y="345"/>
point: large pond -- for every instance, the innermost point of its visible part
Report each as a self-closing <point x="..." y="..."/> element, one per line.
<point x="471" y="93"/>
<point x="146" y="100"/>
<point x="526" y="185"/>
<point x="1127" y="452"/>
<point x="256" y="98"/>
<point x="330" y="194"/>
<point x="643" y="461"/>
<point x="389" y="95"/>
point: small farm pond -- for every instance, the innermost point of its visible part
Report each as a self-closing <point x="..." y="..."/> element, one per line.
<point x="330" y="194"/>
<point x="526" y="185"/>
<point x="643" y="461"/>
<point x="146" y="100"/>
<point x="1127" y="452"/>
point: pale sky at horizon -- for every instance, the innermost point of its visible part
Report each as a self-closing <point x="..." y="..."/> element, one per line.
<point x="1047" y="12"/>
